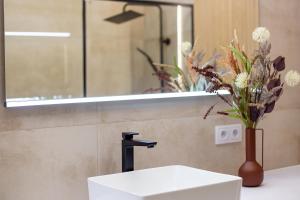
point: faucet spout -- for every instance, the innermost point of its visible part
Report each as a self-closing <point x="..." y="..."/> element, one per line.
<point x="141" y="143"/>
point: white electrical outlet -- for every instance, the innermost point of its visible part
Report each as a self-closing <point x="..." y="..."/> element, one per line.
<point x="228" y="134"/>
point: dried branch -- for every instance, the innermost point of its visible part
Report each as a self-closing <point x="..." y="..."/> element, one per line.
<point x="223" y="113"/>
<point x="224" y="99"/>
<point x="209" y="111"/>
<point x="149" y="59"/>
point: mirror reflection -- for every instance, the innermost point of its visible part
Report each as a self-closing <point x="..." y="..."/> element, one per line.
<point x="73" y="48"/>
<point x="43" y="49"/>
<point x="124" y="39"/>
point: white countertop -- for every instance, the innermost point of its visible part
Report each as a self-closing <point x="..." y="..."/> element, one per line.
<point x="279" y="184"/>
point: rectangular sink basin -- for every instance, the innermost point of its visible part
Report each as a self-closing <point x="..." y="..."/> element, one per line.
<point x="165" y="183"/>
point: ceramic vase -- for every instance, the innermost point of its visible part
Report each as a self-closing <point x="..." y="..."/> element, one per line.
<point x="251" y="171"/>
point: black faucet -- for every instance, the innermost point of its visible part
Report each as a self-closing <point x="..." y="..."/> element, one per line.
<point x="128" y="144"/>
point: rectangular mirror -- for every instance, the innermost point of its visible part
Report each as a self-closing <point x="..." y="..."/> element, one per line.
<point x="93" y="50"/>
<point x="74" y="51"/>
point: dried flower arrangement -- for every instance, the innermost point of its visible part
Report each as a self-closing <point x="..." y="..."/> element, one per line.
<point x="255" y="84"/>
<point x="185" y="78"/>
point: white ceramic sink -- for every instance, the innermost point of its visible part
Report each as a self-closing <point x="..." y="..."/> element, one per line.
<point x="165" y="183"/>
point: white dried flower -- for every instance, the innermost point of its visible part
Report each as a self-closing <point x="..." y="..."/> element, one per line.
<point x="261" y="35"/>
<point x="292" y="78"/>
<point x="186" y="48"/>
<point x="241" y="81"/>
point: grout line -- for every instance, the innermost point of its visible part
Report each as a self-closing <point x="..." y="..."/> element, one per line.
<point x="98" y="149"/>
<point x="125" y="121"/>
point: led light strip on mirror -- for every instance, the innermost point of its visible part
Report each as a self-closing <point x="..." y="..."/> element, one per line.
<point x="179" y="36"/>
<point x="14" y="103"/>
<point x="38" y="34"/>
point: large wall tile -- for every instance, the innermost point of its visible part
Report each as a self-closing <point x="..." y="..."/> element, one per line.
<point x="47" y="116"/>
<point x="190" y="141"/>
<point x="282" y="138"/>
<point x="47" y="164"/>
<point x="187" y="141"/>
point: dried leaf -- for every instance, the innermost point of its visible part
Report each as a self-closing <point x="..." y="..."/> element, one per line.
<point x="279" y="63"/>
<point x="254" y="113"/>
<point x="270" y="107"/>
<point x="273" y="83"/>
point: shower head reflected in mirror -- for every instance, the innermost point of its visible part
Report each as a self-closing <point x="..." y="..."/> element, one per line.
<point x="123" y="17"/>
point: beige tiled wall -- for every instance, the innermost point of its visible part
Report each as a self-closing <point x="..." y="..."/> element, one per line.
<point x="48" y="152"/>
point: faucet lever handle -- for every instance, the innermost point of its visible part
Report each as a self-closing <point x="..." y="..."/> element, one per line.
<point x="128" y="135"/>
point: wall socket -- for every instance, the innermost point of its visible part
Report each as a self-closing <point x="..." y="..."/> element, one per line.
<point x="228" y="134"/>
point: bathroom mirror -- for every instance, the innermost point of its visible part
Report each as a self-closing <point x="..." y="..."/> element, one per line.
<point x="70" y="50"/>
<point x="76" y="51"/>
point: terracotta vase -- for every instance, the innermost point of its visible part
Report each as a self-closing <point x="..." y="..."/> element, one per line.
<point x="251" y="172"/>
